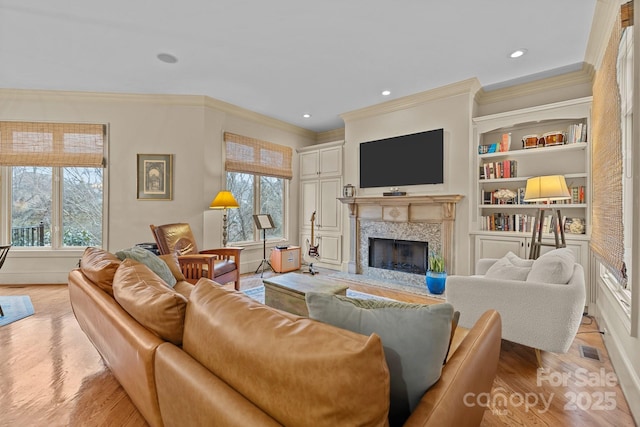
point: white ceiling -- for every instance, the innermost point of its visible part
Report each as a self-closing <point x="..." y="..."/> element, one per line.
<point x="283" y="58"/>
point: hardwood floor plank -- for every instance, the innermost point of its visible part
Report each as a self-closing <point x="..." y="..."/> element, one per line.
<point x="50" y="374"/>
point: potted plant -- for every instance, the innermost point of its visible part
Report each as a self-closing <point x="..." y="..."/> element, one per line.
<point x="436" y="274"/>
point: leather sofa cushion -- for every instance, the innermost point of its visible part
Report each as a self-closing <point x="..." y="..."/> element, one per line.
<point x="172" y="262"/>
<point x="299" y="371"/>
<point x="149" y="300"/>
<point x="184" y="288"/>
<point x="99" y="266"/>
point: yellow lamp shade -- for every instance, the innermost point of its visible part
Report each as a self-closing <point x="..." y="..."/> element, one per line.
<point x="546" y="188"/>
<point x="224" y="200"/>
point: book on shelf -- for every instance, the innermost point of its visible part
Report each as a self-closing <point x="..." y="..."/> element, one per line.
<point x="499" y="170"/>
<point x="505" y="143"/>
<point x="577" y="194"/>
<point x="507" y="222"/>
<point x="577" y="133"/>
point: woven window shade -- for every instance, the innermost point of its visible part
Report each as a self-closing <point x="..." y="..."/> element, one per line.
<point x="626" y="14"/>
<point x="607" y="237"/>
<point x="250" y="155"/>
<point x="51" y="144"/>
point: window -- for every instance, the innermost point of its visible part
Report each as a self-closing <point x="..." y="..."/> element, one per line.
<point x="256" y="195"/>
<point x="620" y="284"/>
<point x="257" y="175"/>
<point x="625" y="83"/>
<point x="53" y="177"/>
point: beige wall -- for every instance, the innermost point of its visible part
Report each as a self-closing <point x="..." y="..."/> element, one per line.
<point x="189" y="127"/>
<point x="449" y="108"/>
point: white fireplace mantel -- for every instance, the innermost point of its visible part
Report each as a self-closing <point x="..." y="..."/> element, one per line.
<point x="428" y="209"/>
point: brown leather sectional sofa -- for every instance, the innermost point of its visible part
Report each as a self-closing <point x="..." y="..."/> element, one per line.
<point x="242" y="363"/>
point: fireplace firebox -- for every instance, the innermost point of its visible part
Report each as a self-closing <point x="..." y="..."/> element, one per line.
<point x="398" y="255"/>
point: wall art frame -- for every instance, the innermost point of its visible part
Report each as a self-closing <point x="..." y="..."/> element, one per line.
<point x="155" y="177"/>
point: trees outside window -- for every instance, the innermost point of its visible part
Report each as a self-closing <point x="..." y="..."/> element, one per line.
<point x="255" y="194"/>
<point x="35" y="216"/>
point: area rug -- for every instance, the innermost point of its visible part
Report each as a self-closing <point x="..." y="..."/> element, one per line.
<point x="15" y="308"/>
<point x="258" y="294"/>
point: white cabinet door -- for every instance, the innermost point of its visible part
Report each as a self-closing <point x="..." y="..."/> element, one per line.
<point x="498" y="246"/>
<point x="309" y="202"/>
<point x="330" y="208"/>
<point x="329" y="248"/>
<point x="321" y="163"/>
<point x="330" y="162"/>
<point x="321" y="197"/>
<point x="309" y="165"/>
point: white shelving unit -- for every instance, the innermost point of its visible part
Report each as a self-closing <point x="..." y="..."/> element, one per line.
<point x="571" y="160"/>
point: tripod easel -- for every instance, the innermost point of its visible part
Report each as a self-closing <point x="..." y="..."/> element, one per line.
<point x="264" y="223"/>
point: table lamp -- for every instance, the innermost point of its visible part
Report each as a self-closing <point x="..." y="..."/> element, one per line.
<point x="546" y="189"/>
<point x="224" y="200"/>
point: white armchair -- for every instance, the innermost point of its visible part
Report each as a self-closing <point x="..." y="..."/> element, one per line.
<point x="545" y="316"/>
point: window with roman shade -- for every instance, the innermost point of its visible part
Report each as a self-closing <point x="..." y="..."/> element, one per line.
<point x="53" y="175"/>
<point x="612" y="166"/>
<point x="257" y="174"/>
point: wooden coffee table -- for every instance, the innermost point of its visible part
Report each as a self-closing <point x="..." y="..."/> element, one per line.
<point x="287" y="291"/>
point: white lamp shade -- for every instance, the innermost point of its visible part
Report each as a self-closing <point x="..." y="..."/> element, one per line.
<point x="546" y="188"/>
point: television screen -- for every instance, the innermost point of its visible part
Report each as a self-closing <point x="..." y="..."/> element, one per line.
<point x="412" y="159"/>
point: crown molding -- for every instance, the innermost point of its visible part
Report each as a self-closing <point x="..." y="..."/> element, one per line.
<point x="469" y="86"/>
<point x="60" y="95"/>
<point x="330" y="135"/>
<point x="157" y="99"/>
<point x="257" y="117"/>
<point x="604" y="16"/>
<point x="582" y="76"/>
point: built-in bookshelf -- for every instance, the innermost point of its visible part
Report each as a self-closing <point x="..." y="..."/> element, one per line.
<point x="510" y="148"/>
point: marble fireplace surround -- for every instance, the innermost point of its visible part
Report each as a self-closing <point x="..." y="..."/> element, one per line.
<point x="421" y="218"/>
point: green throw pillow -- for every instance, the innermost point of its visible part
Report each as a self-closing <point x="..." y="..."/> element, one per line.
<point x="151" y="260"/>
<point x="415" y="338"/>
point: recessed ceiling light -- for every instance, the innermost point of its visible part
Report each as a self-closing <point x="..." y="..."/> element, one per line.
<point x="306" y="115"/>
<point x="167" y="57"/>
<point x="517" y="53"/>
<point x="386" y="92"/>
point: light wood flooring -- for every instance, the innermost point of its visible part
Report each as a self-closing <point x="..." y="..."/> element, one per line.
<point x="51" y="375"/>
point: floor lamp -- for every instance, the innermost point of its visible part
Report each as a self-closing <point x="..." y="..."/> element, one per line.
<point x="546" y="189"/>
<point x="224" y="200"/>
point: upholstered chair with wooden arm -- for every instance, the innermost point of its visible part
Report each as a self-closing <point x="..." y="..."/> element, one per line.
<point x="221" y="265"/>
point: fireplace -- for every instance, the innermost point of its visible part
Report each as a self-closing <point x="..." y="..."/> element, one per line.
<point x="406" y="256"/>
<point x="421" y="219"/>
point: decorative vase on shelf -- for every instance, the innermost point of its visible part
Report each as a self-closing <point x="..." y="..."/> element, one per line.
<point x="436" y="275"/>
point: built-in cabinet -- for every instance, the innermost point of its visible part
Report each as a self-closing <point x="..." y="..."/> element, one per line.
<point x="320" y="187"/>
<point x="506" y="156"/>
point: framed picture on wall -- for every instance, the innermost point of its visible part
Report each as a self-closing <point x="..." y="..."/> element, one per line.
<point x="155" y="177"/>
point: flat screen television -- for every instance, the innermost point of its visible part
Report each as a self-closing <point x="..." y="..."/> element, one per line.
<point x="412" y="159"/>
